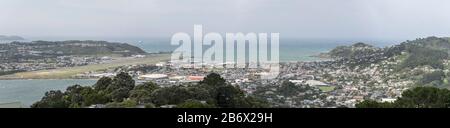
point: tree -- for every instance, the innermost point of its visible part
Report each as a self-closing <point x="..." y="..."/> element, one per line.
<point x="436" y="77"/>
<point x="178" y="94"/>
<point x="120" y="87"/>
<point x="194" y="104"/>
<point x="52" y="99"/>
<point x="142" y="93"/>
<point x="373" y="104"/>
<point x="420" y="56"/>
<point x="120" y="94"/>
<point x="213" y="79"/>
<point x="419" y="97"/>
<point x="91" y="96"/>
<point x="424" y="97"/>
<point x="211" y="83"/>
<point x="121" y="80"/>
<point x="141" y="96"/>
<point x="73" y="95"/>
<point x="103" y="83"/>
<point x="123" y="104"/>
<point x="148" y="86"/>
<point x="252" y="102"/>
<point x="233" y="97"/>
<point x="289" y="89"/>
<point x="74" y="89"/>
<point x="227" y="96"/>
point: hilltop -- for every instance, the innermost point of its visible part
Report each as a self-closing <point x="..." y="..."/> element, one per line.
<point x="356" y="50"/>
<point x="423" y="61"/>
<point x="75" y="47"/>
<point x="18" y="57"/>
<point x="41" y="50"/>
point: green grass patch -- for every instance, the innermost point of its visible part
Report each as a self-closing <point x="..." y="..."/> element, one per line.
<point x="327" y="88"/>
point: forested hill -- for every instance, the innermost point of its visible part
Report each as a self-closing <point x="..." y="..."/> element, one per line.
<point x="357" y="50"/>
<point x="431" y="51"/>
<point x="74" y="47"/>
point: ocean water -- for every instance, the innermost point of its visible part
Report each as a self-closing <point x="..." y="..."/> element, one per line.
<point x="30" y="91"/>
<point x="290" y="49"/>
<point x="288" y="52"/>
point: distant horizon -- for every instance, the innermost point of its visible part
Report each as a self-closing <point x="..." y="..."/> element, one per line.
<point x="165" y="41"/>
<point x="161" y="39"/>
<point x="168" y="37"/>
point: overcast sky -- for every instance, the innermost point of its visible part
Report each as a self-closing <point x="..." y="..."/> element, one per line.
<point x="341" y="19"/>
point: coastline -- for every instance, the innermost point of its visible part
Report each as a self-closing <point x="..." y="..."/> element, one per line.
<point x="70" y="72"/>
<point x="153" y="58"/>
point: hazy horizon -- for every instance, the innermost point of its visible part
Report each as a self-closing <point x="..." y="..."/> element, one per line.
<point x="355" y="20"/>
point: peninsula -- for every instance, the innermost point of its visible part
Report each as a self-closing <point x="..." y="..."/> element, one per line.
<point x="66" y="59"/>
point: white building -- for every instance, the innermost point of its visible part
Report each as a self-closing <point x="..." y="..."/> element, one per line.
<point x="152" y="76"/>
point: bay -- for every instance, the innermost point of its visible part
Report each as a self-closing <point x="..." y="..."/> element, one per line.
<point x="29" y="91"/>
